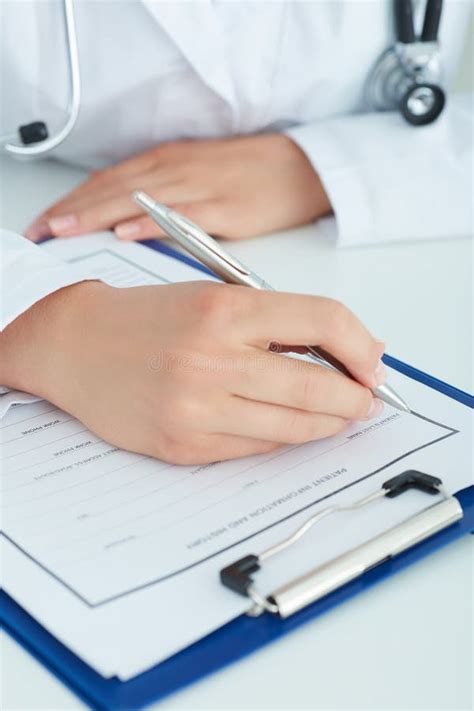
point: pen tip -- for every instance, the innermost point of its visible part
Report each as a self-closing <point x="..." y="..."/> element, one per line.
<point x="386" y="394"/>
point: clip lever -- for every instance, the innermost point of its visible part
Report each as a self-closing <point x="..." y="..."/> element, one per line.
<point x="328" y="577"/>
<point x="237" y="577"/>
<point x="412" y="479"/>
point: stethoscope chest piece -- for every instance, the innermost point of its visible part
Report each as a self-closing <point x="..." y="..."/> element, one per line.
<point x="406" y="78"/>
<point x="407" y="75"/>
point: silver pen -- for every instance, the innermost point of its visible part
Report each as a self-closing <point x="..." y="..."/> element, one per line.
<point x="206" y="250"/>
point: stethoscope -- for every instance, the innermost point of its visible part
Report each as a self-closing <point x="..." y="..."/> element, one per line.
<point x="405" y="78"/>
<point x="407" y="75"/>
<point x="33" y="139"/>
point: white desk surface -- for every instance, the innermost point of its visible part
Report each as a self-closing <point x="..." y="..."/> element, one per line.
<point x="407" y="644"/>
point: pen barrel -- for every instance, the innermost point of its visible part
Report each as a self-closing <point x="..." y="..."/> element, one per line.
<point x="322" y="357"/>
<point x="232" y="275"/>
<point x="226" y="267"/>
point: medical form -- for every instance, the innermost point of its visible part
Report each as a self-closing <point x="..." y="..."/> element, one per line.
<point x="118" y="554"/>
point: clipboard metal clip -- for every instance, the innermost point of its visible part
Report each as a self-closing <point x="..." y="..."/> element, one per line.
<point x="335" y="573"/>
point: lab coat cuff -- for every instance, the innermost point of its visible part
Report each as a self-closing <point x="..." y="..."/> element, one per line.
<point x="342" y="181"/>
<point x="31" y="288"/>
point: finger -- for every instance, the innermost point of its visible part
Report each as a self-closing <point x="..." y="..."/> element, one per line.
<point x="137" y="164"/>
<point x="102" y="214"/>
<point x="273" y="423"/>
<point x="304" y="386"/>
<point x="40" y="227"/>
<point x="269" y="317"/>
<point x="216" y="447"/>
<point x="205" y="213"/>
<point x="138" y="228"/>
<point x="88" y="192"/>
<point x="114" y="175"/>
<point x="98" y="216"/>
<point x="165" y="155"/>
<point x="106" y="185"/>
<point x="98" y="189"/>
<point x="165" y="165"/>
<point x="37" y="230"/>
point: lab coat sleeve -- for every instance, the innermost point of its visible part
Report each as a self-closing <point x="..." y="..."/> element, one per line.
<point x="29" y="273"/>
<point x="387" y="180"/>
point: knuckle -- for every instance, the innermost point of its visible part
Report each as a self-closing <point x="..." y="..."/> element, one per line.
<point x="98" y="180"/>
<point x="338" y="318"/>
<point x="172" y="150"/>
<point x="217" y="303"/>
<point x="172" y="450"/>
<point x="332" y="307"/>
<point x="98" y="176"/>
<point x="295" y="430"/>
<point x="209" y="298"/>
<point x="319" y="388"/>
<point x="163" y="150"/>
<point x="182" y="412"/>
<point x="311" y="389"/>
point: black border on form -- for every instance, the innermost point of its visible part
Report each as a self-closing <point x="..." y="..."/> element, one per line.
<point x="450" y="431"/>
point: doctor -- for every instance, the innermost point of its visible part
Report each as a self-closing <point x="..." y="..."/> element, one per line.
<point x="248" y="117"/>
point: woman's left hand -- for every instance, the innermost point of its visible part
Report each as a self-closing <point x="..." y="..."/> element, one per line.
<point x="233" y="188"/>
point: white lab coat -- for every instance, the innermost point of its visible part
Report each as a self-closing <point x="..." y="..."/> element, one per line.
<point x="158" y="71"/>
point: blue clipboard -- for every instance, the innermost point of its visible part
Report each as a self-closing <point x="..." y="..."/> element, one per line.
<point x="235" y="639"/>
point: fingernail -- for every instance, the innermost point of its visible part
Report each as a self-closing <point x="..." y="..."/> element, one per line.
<point x="127" y="230"/>
<point x="381" y="345"/>
<point x="380" y="374"/>
<point x="37" y="230"/>
<point x="375" y="409"/>
<point x="62" y="224"/>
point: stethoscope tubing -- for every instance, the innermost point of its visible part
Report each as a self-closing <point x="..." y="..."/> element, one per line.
<point x="404" y="30"/>
<point x="404" y="23"/>
<point x="74" y="101"/>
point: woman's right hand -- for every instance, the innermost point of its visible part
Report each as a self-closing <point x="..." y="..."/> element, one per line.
<point x="187" y="373"/>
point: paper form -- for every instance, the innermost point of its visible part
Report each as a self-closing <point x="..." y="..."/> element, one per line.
<point x="128" y="548"/>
